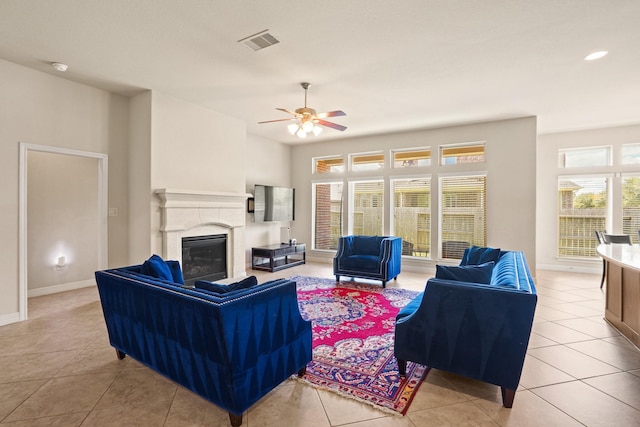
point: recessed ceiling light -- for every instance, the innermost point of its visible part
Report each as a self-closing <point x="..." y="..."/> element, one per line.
<point x="60" y="66"/>
<point x="595" y="55"/>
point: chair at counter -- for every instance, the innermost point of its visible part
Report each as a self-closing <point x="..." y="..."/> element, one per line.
<point x="617" y="238"/>
<point x="603" y="237"/>
<point x="600" y="237"/>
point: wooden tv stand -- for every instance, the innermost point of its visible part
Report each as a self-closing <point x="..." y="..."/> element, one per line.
<point x="277" y="257"/>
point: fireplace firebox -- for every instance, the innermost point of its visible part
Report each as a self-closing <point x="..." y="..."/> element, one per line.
<point x="204" y="258"/>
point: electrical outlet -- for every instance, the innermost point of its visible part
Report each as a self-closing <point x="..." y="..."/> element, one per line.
<point x="113" y="211"/>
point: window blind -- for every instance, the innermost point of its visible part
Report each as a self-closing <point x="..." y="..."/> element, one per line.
<point x="582" y="209"/>
<point x="412" y="215"/>
<point x="327" y="200"/>
<point x="631" y="206"/>
<point x="367" y="208"/>
<point x="463" y="213"/>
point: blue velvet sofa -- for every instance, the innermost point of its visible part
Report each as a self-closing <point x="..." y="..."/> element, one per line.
<point x="477" y="330"/>
<point x="368" y="257"/>
<point x="231" y="348"/>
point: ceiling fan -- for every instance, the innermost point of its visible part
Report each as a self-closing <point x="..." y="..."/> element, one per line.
<point x="307" y="120"/>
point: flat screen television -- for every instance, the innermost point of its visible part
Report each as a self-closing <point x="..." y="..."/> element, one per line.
<point x="274" y="203"/>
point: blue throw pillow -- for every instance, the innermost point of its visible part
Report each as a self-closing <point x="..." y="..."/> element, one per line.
<point x="476" y="255"/>
<point x="223" y="289"/>
<point x="466" y="273"/>
<point x="211" y="287"/>
<point x="157" y="267"/>
<point x="176" y="271"/>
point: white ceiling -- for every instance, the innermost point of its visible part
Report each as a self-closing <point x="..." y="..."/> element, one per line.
<point x="390" y="65"/>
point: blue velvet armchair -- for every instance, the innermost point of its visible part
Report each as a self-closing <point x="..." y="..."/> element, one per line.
<point x="477" y="330"/>
<point x="368" y="257"/>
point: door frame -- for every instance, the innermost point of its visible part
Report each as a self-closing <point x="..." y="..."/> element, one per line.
<point x="102" y="178"/>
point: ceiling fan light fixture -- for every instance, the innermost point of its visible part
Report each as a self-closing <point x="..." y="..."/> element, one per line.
<point x="307" y="120"/>
<point x="307" y="126"/>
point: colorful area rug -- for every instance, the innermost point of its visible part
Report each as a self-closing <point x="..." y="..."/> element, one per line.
<point x="353" y="334"/>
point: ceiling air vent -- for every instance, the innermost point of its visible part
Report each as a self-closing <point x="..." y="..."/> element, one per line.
<point x="259" y="41"/>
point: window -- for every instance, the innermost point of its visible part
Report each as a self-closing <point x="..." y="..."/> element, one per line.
<point x="631" y="206"/>
<point x="412" y="215"/>
<point x="367" y="161"/>
<point x="631" y="154"/>
<point x="327" y="200"/>
<point x="367" y="201"/>
<point x="463" y="212"/>
<point x="328" y="164"/>
<point x="412" y="158"/>
<point x="582" y="203"/>
<point x="581" y="157"/>
<point x="462" y="153"/>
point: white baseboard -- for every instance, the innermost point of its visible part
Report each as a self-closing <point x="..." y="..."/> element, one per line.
<point x="569" y="268"/>
<point x="6" y="319"/>
<point x="47" y="290"/>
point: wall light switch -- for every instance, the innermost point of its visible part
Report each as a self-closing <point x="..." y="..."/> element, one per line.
<point x="113" y="211"/>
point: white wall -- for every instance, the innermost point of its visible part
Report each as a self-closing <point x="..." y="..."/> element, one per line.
<point x="63" y="219"/>
<point x="547" y="192"/>
<point x="177" y="145"/>
<point x="43" y="109"/>
<point x="510" y="167"/>
<point x="139" y="171"/>
<point x="268" y="163"/>
<point x="193" y="148"/>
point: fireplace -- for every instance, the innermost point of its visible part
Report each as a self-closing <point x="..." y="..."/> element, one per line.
<point x="204" y="258"/>
<point x="191" y="214"/>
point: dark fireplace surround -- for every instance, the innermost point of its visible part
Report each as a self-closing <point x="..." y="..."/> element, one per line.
<point x="204" y="258"/>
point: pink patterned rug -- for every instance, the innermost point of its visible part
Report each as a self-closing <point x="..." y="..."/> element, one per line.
<point x="353" y="333"/>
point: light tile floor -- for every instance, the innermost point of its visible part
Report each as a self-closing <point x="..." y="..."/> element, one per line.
<point x="57" y="368"/>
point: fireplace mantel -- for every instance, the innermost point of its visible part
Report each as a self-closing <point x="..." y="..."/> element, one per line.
<point x="189" y="213"/>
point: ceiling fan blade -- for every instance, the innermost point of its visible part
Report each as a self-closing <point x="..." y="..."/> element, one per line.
<point x="331" y="125"/>
<point x="331" y="114"/>
<point x="287" y="111"/>
<point x="278" y="120"/>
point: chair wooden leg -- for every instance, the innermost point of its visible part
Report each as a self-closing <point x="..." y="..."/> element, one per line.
<point x="604" y="272"/>
<point x="337" y="278"/>
<point x="384" y="283"/>
<point x="120" y="354"/>
<point x="507" y="397"/>
<point x="236" y="420"/>
<point x="302" y="371"/>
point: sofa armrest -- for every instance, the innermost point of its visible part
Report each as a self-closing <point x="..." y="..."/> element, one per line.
<point x="255" y="324"/>
<point x="390" y="246"/>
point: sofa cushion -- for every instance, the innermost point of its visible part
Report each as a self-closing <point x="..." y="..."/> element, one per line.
<point x="476" y="255"/>
<point x="466" y="273"/>
<point x="366" y="245"/>
<point x="363" y="263"/>
<point x="155" y="266"/>
<point x="223" y="289"/>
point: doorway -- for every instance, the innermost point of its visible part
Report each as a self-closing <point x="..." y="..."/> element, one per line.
<point x="60" y="254"/>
